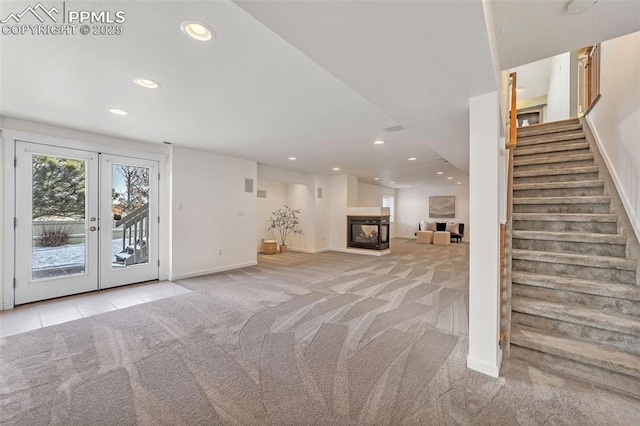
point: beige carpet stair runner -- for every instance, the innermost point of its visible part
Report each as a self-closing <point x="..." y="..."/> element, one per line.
<point x="575" y="282"/>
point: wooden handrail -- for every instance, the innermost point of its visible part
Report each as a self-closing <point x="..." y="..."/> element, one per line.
<point x="513" y="120"/>
<point x="505" y="228"/>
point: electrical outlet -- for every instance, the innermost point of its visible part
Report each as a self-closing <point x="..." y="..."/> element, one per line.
<point x="240" y="213"/>
<point x="219" y="252"/>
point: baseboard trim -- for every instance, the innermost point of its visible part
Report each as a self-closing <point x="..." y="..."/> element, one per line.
<point x="364" y="252"/>
<point x="306" y="250"/>
<point x="211" y="271"/>
<point x="485" y="368"/>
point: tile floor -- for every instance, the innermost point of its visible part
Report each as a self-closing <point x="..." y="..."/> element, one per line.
<point x="50" y="312"/>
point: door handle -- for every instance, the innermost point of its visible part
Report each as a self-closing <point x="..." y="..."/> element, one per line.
<point x="93" y="228"/>
<point x="93" y="219"/>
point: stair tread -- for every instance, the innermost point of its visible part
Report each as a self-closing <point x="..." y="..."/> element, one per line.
<point x="549" y="126"/>
<point x="550" y="160"/>
<point x="567" y="217"/>
<point x="588" y="353"/>
<point x="576" y="314"/>
<point x="577" y="285"/>
<point x="559" y="185"/>
<point x="528" y="150"/>
<point x="578" y="199"/>
<point x="555" y="172"/>
<point x="534" y="138"/>
<point x="577" y="237"/>
<point x="575" y="259"/>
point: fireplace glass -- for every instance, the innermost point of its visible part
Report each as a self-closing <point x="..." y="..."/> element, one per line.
<point x="369" y="232"/>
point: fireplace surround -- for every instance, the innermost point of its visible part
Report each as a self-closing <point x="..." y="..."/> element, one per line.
<point x="368" y="232"/>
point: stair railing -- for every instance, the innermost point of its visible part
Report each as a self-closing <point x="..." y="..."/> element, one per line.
<point x="135" y="230"/>
<point x="506" y="228"/>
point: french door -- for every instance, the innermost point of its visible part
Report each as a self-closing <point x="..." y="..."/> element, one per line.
<point x="84" y="221"/>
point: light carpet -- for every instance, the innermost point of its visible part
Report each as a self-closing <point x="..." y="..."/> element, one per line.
<point x="299" y="339"/>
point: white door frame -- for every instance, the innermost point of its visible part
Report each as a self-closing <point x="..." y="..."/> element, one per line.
<point x="10" y="137"/>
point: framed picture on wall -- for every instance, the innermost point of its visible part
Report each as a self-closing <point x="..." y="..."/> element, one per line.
<point x="442" y="206"/>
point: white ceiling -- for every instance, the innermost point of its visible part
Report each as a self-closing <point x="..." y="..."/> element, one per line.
<point x="549" y="30"/>
<point x="317" y="80"/>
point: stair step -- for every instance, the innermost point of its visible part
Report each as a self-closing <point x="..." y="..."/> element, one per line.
<point x="566" y="222"/>
<point x="592" y="199"/>
<point x="577" y="285"/>
<point x="608" y="262"/>
<point x="549" y="126"/>
<point x="537" y="175"/>
<point x="567" y="217"/>
<point x="593" y="204"/>
<point x="588" y="353"/>
<point x="559" y="185"/>
<point x="607" y="297"/>
<point x="559" y="189"/>
<point x="550" y="138"/>
<point x="577" y="237"/>
<point x="524" y="132"/>
<point x="601" y="268"/>
<point x="577" y="315"/>
<point x="548" y="161"/>
<point x="550" y="149"/>
<point x="613" y="245"/>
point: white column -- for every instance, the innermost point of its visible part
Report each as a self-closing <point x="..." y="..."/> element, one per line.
<point x="485" y="354"/>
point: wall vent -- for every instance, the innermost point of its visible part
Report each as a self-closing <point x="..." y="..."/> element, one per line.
<point x="262" y="193"/>
<point x="248" y="185"/>
<point x="319" y="192"/>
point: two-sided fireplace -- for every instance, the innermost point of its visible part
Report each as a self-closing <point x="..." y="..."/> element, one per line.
<point x="368" y="232"/>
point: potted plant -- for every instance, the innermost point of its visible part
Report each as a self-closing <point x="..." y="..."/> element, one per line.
<point x="286" y="221"/>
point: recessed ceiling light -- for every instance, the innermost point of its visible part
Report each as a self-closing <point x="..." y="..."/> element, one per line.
<point x="380" y="142"/>
<point x="376" y="178"/>
<point x="118" y="111"/>
<point x="392" y="182"/>
<point x="439" y="173"/>
<point x="449" y="178"/>
<point x="292" y="158"/>
<point x="146" y="83"/>
<point x="459" y="183"/>
<point x="335" y="169"/>
<point x="412" y="159"/>
<point x="197" y="30"/>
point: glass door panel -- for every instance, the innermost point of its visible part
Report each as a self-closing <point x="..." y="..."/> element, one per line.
<point x="56" y="210"/>
<point x="129" y="220"/>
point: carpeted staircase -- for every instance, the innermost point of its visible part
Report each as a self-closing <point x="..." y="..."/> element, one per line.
<point x="575" y="284"/>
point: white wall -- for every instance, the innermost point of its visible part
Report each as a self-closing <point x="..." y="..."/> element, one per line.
<point x="276" y="198"/>
<point x="371" y="196"/>
<point x="211" y="213"/>
<point x="323" y="213"/>
<point x="297" y="190"/>
<point x="413" y="206"/>
<point x="615" y="119"/>
<point x="485" y="355"/>
<point x="338" y="210"/>
<point x="558" y="97"/>
<point x="301" y="197"/>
